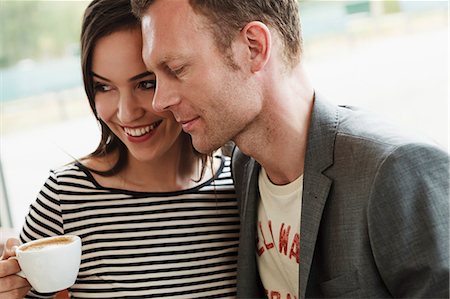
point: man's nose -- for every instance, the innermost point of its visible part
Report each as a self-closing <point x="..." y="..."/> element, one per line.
<point x="166" y="95"/>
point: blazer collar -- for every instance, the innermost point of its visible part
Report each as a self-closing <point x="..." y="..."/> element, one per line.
<point x="248" y="270"/>
<point x="316" y="186"/>
<point x="251" y="194"/>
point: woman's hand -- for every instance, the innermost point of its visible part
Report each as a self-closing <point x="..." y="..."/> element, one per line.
<point x="11" y="286"/>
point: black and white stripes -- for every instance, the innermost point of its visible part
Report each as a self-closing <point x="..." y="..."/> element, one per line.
<point x="143" y="245"/>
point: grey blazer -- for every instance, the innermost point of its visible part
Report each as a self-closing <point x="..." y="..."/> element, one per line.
<point x="375" y="212"/>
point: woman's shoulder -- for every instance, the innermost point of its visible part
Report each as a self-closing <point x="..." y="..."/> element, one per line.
<point x="221" y="180"/>
<point x="225" y="164"/>
<point x="67" y="169"/>
<point x="72" y="173"/>
<point x="97" y="163"/>
<point x="218" y="166"/>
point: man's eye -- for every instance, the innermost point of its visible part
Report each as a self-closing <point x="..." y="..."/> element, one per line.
<point x="148" y="84"/>
<point x="176" y="71"/>
<point x="99" y="87"/>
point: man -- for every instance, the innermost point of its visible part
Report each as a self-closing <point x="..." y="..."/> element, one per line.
<point x="333" y="202"/>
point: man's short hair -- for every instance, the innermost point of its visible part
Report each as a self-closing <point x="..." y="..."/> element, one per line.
<point x="228" y="17"/>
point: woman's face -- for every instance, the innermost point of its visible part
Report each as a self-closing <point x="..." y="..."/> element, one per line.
<point x="123" y="98"/>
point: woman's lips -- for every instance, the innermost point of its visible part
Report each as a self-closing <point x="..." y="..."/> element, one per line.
<point x="141" y="134"/>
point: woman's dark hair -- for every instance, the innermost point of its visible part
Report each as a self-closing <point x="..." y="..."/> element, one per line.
<point x="102" y="18"/>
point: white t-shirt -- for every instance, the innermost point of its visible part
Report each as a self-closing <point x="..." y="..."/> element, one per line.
<point x="278" y="243"/>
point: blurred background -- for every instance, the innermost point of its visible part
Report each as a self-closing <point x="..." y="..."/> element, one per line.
<point x="390" y="57"/>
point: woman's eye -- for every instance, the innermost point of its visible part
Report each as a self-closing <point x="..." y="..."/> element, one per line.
<point x="148" y="84"/>
<point x="99" y="87"/>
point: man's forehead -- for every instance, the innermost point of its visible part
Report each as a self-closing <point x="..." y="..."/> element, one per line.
<point x="159" y="53"/>
<point x="174" y="29"/>
<point x="176" y="14"/>
<point x="172" y="34"/>
<point x="163" y="9"/>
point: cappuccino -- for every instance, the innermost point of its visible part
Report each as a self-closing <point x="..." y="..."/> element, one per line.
<point x="50" y="264"/>
<point x="45" y="243"/>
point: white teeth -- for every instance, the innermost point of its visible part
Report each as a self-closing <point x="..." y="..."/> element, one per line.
<point x="140" y="131"/>
<point x="154" y="125"/>
<point x="137" y="132"/>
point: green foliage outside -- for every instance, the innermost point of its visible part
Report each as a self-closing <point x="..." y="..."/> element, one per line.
<point x="391" y="7"/>
<point x="38" y="29"/>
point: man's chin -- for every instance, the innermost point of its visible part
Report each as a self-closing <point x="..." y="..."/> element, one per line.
<point x="203" y="146"/>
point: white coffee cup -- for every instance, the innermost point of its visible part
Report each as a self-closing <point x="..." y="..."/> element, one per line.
<point x="50" y="264"/>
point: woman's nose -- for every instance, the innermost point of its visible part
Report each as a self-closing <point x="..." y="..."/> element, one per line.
<point x="129" y="108"/>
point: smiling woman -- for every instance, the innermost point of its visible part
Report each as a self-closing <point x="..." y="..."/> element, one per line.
<point x="124" y="90"/>
<point x="156" y="218"/>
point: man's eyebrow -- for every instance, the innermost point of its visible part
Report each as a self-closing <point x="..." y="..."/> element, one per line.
<point x="168" y="58"/>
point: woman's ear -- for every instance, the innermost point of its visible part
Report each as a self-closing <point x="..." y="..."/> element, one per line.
<point x="258" y="40"/>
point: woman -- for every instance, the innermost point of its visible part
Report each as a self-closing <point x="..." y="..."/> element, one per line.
<point x="156" y="218"/>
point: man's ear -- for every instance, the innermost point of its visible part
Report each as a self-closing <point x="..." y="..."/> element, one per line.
<point x="258" y="40"/>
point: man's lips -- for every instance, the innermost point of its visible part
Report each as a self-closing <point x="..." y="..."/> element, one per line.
<point x="188" y="124"/>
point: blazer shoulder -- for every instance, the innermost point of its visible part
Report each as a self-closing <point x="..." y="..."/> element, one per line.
<point x="362" y="127"/>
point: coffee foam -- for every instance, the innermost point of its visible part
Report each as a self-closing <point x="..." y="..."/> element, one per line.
<point x="41" y="244"/>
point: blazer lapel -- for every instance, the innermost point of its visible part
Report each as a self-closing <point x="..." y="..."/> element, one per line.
<point x="251" y="190"/>
<point x="316" y="186"/>
<point x="248" y="270"/>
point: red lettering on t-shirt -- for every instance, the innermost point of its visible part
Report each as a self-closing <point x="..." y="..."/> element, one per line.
<point x="268" y="245"/>
<point x="260" y="249"/>
<point x="295" y="248"/>
<point x="270" y="229"/>
<point x="275" y="295"/>
<point x="284" y="238"/>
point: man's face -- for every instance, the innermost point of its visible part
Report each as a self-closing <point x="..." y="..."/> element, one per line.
<point x="213" y="102"/>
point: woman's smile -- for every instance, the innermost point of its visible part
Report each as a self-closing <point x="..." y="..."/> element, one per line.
<point x="142" y="133"/>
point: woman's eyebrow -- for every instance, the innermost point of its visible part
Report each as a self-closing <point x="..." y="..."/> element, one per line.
<point x="134" y="78"/>
<point x="142" y="75"/>
<point x="100" y="77"/>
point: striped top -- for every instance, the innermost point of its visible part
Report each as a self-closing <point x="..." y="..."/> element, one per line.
<point x="179" y="244"/>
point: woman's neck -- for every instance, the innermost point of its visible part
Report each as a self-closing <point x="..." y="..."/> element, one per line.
<point x="163" y="174"/>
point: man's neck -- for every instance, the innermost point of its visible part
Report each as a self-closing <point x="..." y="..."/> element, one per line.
<point x="277" y="138"/>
